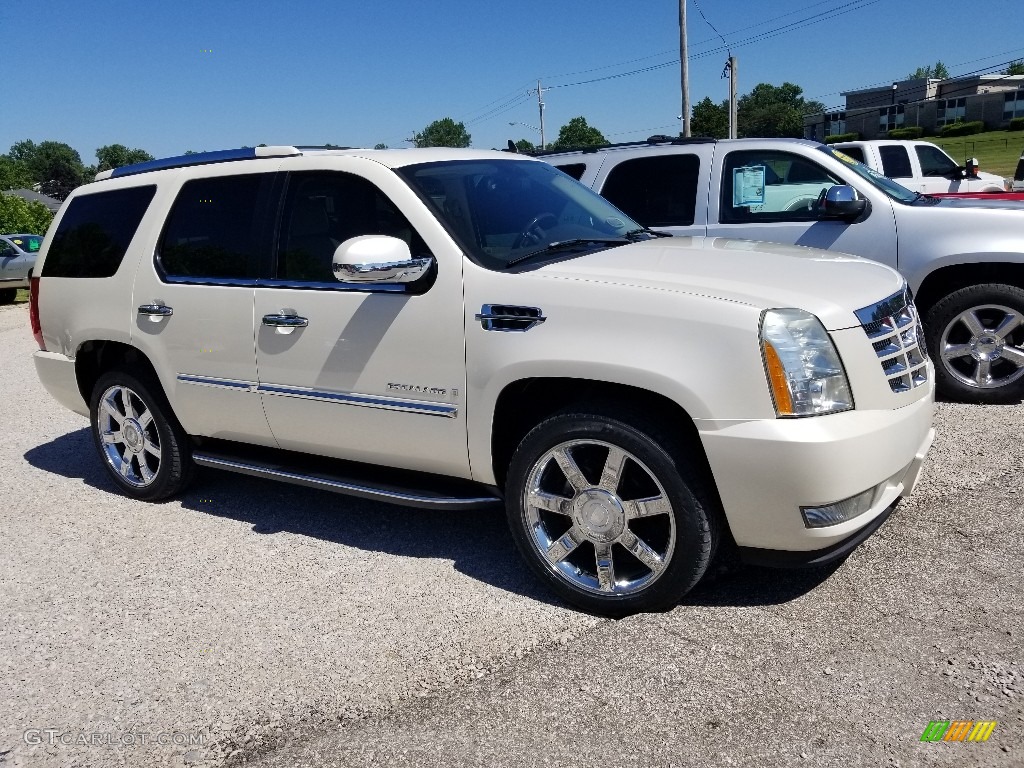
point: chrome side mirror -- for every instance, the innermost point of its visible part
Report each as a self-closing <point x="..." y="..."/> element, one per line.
<point x="841" y="201"/>
<point x="377" y="259"/>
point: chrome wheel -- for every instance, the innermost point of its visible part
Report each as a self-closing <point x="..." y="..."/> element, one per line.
<point x="129" y="436"/>
<point x="599" y="518"/>
<point x="983" y="346"/>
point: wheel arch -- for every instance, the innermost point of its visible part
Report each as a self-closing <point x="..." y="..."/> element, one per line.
<point x="96" y="357"/>
<point x="943" y="281"/>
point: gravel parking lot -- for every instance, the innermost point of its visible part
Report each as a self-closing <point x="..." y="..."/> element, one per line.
<point x="249" y="623"/>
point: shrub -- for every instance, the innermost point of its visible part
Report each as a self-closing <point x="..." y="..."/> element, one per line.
<point x="962" y="129"/>
<point x="1016" y="124"/>
<point x="855" y="136"/>
<point x="911" y="132"/>
<point x="18" y="215"/>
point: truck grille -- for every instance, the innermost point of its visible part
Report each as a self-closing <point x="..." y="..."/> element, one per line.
<point x="896" y="335"/>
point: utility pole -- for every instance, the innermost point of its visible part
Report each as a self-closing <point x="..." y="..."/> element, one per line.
<point x="733" y="122"/>
<point x="540" y="109"/>
<point x="683" y="75"/>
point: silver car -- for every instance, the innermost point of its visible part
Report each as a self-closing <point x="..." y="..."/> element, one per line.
<point x="17" y="260"/>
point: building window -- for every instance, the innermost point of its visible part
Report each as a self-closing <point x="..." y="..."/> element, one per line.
<point x="1013" y="104"/>
<point x="949" y="111"/>
<point x="890" y="118"/>
<point x="835" y="123"/>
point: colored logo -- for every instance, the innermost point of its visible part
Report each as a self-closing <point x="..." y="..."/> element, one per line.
<point x="958" y="730"/>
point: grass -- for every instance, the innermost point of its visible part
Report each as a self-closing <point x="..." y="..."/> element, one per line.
<point x="997" y="151"/>
<point x="22" y="296"/>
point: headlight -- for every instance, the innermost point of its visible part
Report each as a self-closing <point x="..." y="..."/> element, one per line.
<point x="804" y="371"/>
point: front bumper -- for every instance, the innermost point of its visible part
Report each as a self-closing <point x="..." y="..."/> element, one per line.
<point x="767" y="470"/>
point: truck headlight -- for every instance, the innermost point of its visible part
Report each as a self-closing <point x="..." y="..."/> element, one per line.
<point x="804" y="371"/>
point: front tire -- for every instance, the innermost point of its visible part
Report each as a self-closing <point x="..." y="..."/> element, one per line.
<point x="142" y="445"/>
<point x="611" y="512"/>
<point x="976" y="337"/>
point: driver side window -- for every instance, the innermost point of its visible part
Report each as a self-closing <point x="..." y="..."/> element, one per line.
<point x="766" y="186"/>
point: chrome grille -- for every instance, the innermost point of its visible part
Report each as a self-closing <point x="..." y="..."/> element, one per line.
<point x="896" y="335"/>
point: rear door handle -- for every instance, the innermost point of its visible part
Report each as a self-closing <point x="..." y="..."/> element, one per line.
<point x="285" y="321"/>
<point x="155" y="312"/>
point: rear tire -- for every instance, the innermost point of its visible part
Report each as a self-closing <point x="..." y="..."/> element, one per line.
<point x="7" y="295"/>
<point x="976" y="337"/>
<point x="143" y="447"/>
<point x="613" y="513"/>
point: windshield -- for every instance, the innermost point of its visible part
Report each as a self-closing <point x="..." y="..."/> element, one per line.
<point x="500" y="210"/>
<point x="27" y="243"/>
<point x="877" y="180"/>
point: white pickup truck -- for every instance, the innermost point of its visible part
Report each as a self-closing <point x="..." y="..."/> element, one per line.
<point x="963" y="256"/>
<point x="921" y="166"/>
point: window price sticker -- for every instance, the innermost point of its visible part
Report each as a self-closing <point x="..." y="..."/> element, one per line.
<point x="748" y="186"/>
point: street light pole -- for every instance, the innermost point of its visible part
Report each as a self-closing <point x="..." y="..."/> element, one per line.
<point x="683" y="74"/>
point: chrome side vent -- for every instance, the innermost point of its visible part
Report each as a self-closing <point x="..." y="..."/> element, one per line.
<point x="507" y="317"/>
<point x="894" y="329"/>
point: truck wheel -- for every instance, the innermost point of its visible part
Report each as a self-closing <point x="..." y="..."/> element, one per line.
<point x="141" y="443"/>
<point x="610" y="512"/>
<point x="976" y="337"/>
<point x="7" y="295"/>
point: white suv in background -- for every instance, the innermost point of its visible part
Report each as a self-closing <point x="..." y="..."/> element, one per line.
<point x="456" y="329"/>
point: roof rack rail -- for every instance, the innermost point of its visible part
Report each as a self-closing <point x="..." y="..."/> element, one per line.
<point x="199" y="158"/>
<point x="650" y="140"/>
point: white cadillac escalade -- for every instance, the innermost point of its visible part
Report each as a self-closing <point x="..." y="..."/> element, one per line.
<point x="454" y="329"/>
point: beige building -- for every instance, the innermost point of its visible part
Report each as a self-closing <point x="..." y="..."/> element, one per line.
<point x="930" y="104"/>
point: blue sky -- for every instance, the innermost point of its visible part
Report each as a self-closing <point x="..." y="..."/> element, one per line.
<point x="173" y="76"/>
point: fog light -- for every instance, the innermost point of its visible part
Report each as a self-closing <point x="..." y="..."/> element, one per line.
<point x="839" y="512"/>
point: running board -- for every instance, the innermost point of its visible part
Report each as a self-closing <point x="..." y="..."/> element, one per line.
<point x="403" y="487"/>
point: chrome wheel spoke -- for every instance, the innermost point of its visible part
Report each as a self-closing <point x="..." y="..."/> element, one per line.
<point x="612" y="470"/>
<point x="145" y="419"/>
<point x="112" y="438"/>
<point x="108" y="409"/>
<point x="126" y="462"/>
<point x="1014" y="356"/>
<point x="126" y="402"/>
<point x="550" y="502"/>
<point x="642" y="552"/>
<point x="983" y="373"/>
<point x="151" y="447"/>
<point x="144" y="470"/>
<point x="956" y="351"/>
<point x="1008" y="325"/>
<point x="654" y="505"/>
<point x="605" y="565"/>
<point x="563" y="546"/>
<point x="973" y="322"/>
<point x="570" y="469"/>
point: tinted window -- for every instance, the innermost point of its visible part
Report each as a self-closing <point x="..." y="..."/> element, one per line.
<point x="213" y="229"/>
<point x="895" y="162"/>
<point x="28" y="243"/>
<point x="656" y="191"/>
<point x="95" y="231"/>
<point x="575" y="170"/>
<point x="857" y="153"/>
<point x="322" y="211"/>
<point x="934" y="162"/>
<point x="771" y="186"/>
<point x="1018" y="175"/>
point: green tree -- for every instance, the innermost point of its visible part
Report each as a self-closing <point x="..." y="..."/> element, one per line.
<point x="13" y="174"/>
<point x="577" y="133"/>
<point x="442" y="133"/>
<point x="937" y="71"/>
<point x="774" y="112"/>
<point x="23" y="216"/>
<point x="1016" y="68"/>
<point x="380" y="146"/>
<point x="525" y="145"/>
<point x="53" y="165"/>
<point x="710" y="119"/>
<point x="117" y="155"/>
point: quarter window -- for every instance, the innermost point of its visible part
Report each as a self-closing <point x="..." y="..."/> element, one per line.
<point x="934" y="162"/>
<point x="576" y="170"/>
<point x="213" y="230"/>
<point x="323" y="210"/>
<point x="656" y="191"/>
<point x="771" y="186"/>
<point x="95" y="231"/>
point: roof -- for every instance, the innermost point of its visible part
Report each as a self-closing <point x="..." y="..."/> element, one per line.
<point x="52" y="203"/>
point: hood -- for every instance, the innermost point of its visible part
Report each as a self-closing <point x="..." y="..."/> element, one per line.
<point x="997" y="200"/>
<point x="763" y="275"/>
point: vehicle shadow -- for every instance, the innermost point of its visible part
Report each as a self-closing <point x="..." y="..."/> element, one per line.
<point x="477" y="542"/>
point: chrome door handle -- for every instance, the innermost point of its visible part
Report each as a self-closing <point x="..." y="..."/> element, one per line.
<point x="155" y="312"/>
<point x="285" y="321"/>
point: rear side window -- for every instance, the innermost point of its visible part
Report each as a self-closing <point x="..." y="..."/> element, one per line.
<point x="95" y="231"/>
<point x="576" y="170"/>
<point x="934" y="162"/>
<point x="857" y="153"/>
<point x="895" y="162"/>
<point x="656" y="191"/>
<point x="213" y="230"/>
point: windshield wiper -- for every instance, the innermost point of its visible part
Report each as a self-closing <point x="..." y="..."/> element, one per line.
<point x="633" y="234"/>
<point x="565" y="245"/>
